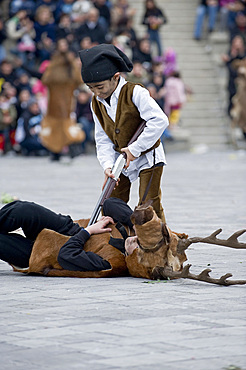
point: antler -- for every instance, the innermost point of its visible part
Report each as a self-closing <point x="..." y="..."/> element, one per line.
<point x="231" y="242"/>
<point x="167" y="272"/>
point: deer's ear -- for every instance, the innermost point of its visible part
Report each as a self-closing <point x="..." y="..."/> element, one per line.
<point x="148" y="203"/>
<point x="181" y="235"/>
<point x="149" y="213"/>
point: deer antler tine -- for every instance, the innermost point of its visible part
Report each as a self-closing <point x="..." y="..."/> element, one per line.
<point x="224" y="277"/>
<point x="185" y="272"/>
<point x="204" y="273"/>
<point x="215" y="233"/>
<point x="167" y="272"/>
<point x="223" y="280"/>
<point x="231" y="242"/>
<point x="239" y="232"/>
<point x="235" y="236"/>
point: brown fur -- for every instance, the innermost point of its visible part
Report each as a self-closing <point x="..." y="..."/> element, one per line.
<point x="43" y="258"/>
<point x="44" y="254"/>
<point x="141" y="263"/>
<point x="62" y="77"/>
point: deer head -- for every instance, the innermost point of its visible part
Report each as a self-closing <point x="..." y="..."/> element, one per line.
<point x="157" y="244"/>
<point x="162" y="251"/>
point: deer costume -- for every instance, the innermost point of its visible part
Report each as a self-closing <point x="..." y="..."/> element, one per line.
<point x="62" y="77"/>
<point x="159" y="254"/>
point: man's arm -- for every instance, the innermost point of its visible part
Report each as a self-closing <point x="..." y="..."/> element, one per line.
<point x="156" y="121"/>
<point x="72" y="255"/>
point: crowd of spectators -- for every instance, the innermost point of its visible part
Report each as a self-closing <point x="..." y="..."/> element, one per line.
<point x="32" y="31"/>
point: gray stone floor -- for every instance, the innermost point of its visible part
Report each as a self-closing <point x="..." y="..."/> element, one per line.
<point x="129" y="323"/>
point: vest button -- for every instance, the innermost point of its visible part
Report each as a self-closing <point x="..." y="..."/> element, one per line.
<point x="117" y="130"/>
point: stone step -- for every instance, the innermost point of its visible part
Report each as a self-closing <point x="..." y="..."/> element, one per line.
<point x="201" y="98"/>
<point x="208" y="130"/>
<point x="207" y="139"/>
<point x="202" y="117"/>
<point x="200" y="85"/>
<point x="202" y="114"/>
<point x="202" y="122"/>
<point x="191" y="65"/>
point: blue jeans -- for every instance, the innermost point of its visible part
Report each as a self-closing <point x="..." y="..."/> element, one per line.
<point x="154" y="37"/>
<point x="32" y="144"/>
<point x="202" y="11"/>
<point x="2" y="53"/>
<point x="87" y="126"/>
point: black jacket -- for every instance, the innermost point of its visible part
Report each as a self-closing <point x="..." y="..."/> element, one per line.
<point x="73" y="257"/>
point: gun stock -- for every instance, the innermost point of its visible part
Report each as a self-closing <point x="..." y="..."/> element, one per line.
<point x="116" y="170"/>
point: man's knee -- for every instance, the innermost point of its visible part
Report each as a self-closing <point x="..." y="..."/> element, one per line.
<point x="118" y="210"/>
<point x="21" y="207"/>
<point x="109" y="206"/>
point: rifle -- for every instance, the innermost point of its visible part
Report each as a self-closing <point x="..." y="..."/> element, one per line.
<point x="116" y="170"/>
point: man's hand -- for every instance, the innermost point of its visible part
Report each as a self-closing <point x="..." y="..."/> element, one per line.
<point x="129" y="156"/>
<point x="108" y="173"/>
<point x="100" y="226"/>
<point x="131" y="244"/>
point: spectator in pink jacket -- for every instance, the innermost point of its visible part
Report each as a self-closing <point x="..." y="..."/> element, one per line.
<point x="175" y="97"/>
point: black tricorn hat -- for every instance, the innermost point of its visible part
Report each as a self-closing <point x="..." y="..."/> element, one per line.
<point x="101" y="62"/>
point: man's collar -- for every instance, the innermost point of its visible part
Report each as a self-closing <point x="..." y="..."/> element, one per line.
<point x="121" y="83"/>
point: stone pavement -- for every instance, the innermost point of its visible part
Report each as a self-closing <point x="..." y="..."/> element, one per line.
<point x="129" y="323"/>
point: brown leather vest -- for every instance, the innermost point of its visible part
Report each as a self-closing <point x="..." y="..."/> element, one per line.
<point x="127" y="119"/>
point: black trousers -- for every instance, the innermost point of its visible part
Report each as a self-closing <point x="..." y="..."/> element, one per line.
<point x="32" y="218"/>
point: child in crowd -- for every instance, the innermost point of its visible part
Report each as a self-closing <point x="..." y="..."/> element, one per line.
<point x="84" y="115"/>
<point x="175" y="97"/>
<point x="28" y="128"/>
<point x="7" y="123"/>
<point x="7" y="73"/>
<point x="22" y="103"/>
<point x="118" y="108"/>
<point x="23" y="81"/>
<point x="139" y="74"/>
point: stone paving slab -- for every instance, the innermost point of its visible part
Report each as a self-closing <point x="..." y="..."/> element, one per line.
<point x="129" y="323"/>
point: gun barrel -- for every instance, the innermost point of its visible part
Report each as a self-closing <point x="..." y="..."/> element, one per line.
<point x="108" y="188"/>
<point x="116" y="170"/>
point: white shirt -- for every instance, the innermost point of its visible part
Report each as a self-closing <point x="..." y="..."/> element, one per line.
<point x="156" y="123"/>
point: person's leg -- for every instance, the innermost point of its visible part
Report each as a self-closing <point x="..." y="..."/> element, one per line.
<point x="33" y="218"/>
<point x="212" y="15"/>
<point x="15" y="249"/>
<point x="154" y="192"/>
<point x="154" y="38"/>
<point x="32" y="144"/>
<point x="200" y="14"/>
<point x="86" y="126"/>
<point x="122" y="191"/>
<point x="118" y="210"/>
<point x="159" y="44"/>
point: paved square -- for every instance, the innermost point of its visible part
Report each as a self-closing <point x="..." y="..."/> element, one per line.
<point x="129" y="323"/>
